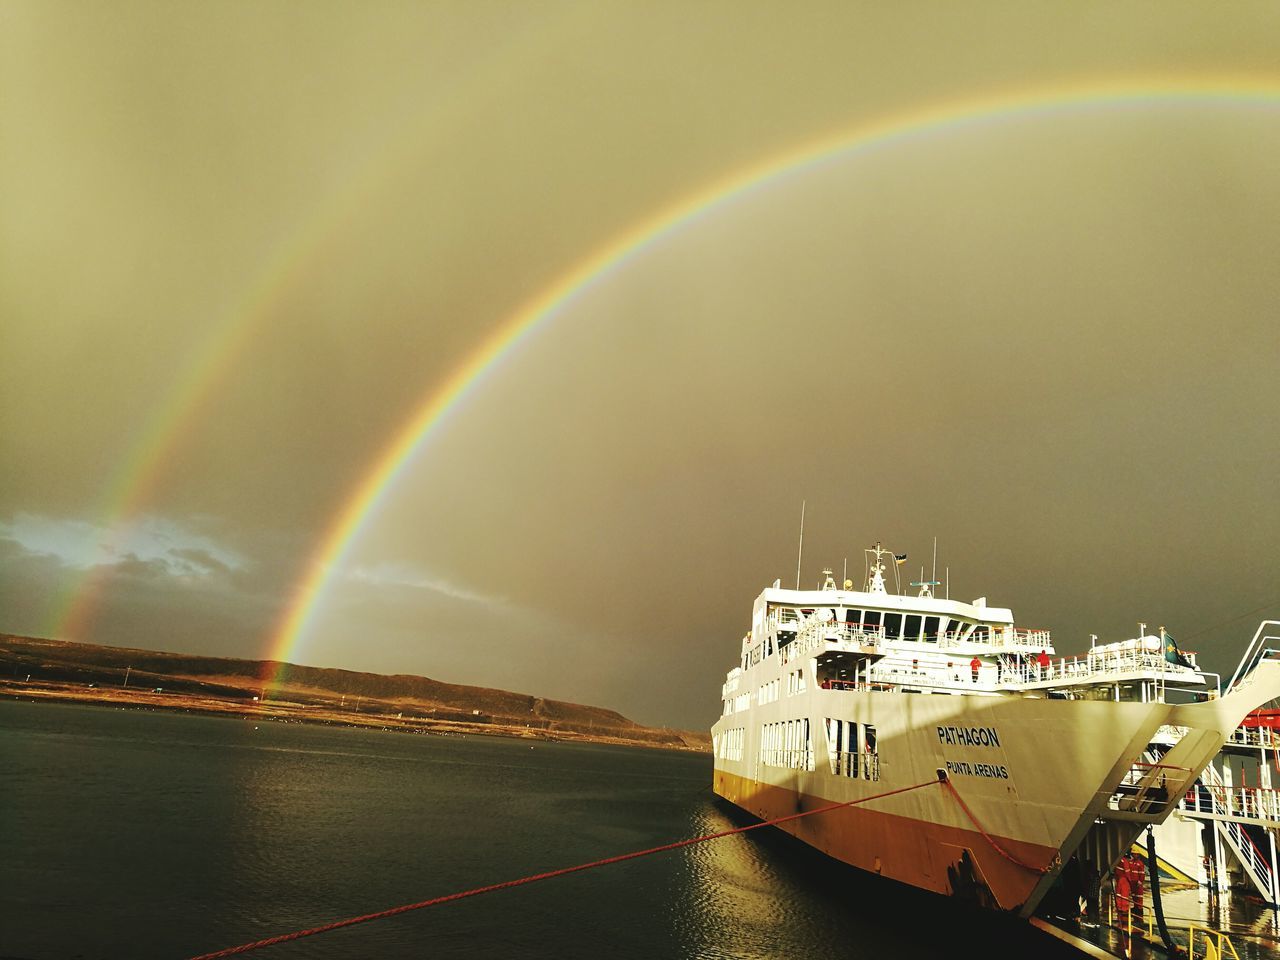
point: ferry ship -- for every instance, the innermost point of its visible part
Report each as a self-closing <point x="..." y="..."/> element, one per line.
<point x="944" y="747"/>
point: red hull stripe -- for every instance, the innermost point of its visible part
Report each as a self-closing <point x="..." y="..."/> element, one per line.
<point x="934" y="857"/>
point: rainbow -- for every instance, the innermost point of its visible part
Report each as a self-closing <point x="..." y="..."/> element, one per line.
<point x="443" y="398"/>
<point x="139" y="474"/>
<point x="937" y="118"/>
<point x="211" y="363"/>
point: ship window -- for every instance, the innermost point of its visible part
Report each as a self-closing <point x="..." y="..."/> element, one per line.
<point x="892" y="625"/>
<point x="853" y="616"/>
<point x="931" y="628"/>
<point x="911" y="631"/>
<point x="870" y="755"/>
<point x="871" y="619"/>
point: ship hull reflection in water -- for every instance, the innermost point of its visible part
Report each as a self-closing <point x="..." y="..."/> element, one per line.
<point x="764" y="894"/>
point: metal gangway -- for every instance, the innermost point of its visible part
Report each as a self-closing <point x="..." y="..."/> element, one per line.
<point x="1231" y="808"/>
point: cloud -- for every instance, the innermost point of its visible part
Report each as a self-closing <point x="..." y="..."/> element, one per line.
<point x="404" y="575"/>
<point x="80" y="544"/>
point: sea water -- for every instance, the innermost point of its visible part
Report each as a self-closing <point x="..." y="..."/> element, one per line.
<point x="130" y="833"/>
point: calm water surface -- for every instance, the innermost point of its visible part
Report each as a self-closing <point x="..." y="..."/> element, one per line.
<point x="133" y="834"/>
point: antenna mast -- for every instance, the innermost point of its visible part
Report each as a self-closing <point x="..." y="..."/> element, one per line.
<point x="800" y="555"/>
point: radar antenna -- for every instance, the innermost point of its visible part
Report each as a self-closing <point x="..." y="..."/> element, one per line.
<point x="926" y="586"/>
<point x="875" y="568"/>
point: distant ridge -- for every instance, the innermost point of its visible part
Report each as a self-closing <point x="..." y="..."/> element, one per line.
<point x="321" y="693"/>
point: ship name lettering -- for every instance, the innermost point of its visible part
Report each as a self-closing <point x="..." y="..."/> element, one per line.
<point x="969" y="736"/>
<point x="992" y="771"/>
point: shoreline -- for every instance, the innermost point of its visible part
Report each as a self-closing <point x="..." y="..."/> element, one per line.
<point x="282" y="709"/>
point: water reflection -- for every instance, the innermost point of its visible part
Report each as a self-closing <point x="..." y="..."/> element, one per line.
<point x="153" y="836"/>
<point x="763" y="894"/>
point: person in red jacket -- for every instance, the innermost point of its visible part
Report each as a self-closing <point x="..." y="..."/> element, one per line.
<point x="1129" y="875"/>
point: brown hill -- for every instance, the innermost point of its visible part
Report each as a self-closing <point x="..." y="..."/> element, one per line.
<point x="220" y="684"/>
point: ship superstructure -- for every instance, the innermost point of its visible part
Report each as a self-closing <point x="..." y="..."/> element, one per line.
<point x="1009" y="761"/>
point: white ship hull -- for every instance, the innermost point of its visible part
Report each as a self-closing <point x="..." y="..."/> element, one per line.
<point x="986" y="791"/>
<point x="1034" y="774"/>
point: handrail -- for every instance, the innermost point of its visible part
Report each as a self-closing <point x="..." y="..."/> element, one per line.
<point x="795" y="759"/>
<point x="1245" y="848"/>
<point x="1142" y="791"/>
<point x="1254" y="737"/>
<point x="999" y="637"/>
<point x="851" y="763"/>
<point x="1249" y="656"/>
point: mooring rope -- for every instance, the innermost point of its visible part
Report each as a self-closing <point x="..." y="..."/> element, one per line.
<point x="992" y="840"/>
<point x="508" y="884"/>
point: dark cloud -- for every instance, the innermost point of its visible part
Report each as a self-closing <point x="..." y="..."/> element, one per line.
<point x="1044" y="339"/>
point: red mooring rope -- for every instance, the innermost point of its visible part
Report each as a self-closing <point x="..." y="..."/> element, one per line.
<point x="507" y="884"/>
<point x="990" y="839"/>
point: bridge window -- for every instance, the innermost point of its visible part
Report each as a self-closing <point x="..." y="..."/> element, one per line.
<point x="931" y="629"/>
<point x="892" y="626"/>
<point x="911" y="629"/>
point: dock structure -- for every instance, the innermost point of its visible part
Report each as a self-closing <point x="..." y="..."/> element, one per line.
<point x="1222" y="832"/>
<point x="1225" y="827"/>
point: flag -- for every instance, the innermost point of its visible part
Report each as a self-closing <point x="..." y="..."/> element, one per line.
<point x="900" y="557"/>
<point x="1172" y="653"/>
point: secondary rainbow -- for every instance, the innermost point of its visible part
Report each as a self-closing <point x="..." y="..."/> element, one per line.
<point x="211" y="363"/>
<point x="932" y="119"/>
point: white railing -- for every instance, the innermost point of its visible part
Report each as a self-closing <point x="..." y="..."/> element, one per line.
<point x="1001" y="638"/>
<point x="1254" y="737"/>
<point x="842" y="636"/>
<point x="1255" y="651"/>
<point x="1088" y="669"/>
<point x="1251" y="803"/>
<point x="793" y="759"/>
<point x="847" y="763"/>
<point x="1212" y="795"/>
<point x="1144" y="788"/>
<point x="987" y="636"/>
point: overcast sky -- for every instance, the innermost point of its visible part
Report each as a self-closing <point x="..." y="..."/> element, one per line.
<point x="247" y="240"/>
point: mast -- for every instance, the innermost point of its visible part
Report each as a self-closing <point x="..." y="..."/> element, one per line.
<point x="800" y="555"/>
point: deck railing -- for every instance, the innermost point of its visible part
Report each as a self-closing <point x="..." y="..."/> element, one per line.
<point x="1211" y="795"/>
<point x="1264" y="737"/>
<point x="848" y="763"/>
<point x="1144" y="788"/>
<point x="794" y="759"/>
<point x="986" y="636"/>
<point x="1256" y="803"/>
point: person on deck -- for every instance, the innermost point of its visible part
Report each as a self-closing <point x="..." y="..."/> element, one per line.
<point x="1042" y="665"/>
<point x="974" y="665"/>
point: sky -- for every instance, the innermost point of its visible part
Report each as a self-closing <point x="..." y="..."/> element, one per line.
<point x="502" y="343"/>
